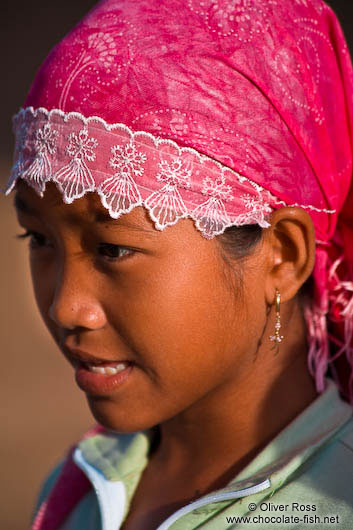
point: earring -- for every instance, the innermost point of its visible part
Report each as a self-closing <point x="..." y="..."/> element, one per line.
<point x="277" y="337"/>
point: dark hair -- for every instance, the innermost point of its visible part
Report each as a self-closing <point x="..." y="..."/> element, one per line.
<point x="239" y="242"/>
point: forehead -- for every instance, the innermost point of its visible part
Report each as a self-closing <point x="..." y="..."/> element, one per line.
<point x="87" y="209"/>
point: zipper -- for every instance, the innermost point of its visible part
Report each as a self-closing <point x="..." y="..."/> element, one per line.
<point x="225" y="496"/>
<point x="111" y="496"/>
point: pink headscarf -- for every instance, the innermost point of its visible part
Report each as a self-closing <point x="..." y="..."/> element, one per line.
<point x="219" y="111"/>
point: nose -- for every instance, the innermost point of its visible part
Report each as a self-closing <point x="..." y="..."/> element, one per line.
<point x="75" y="302"/>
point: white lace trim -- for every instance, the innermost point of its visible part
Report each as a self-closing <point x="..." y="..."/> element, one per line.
<point x="135" y="168"/>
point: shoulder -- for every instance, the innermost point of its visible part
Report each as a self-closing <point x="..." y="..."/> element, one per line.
<point x="330" y="470"/>
<point x="48" y="484"/>
<point x="324" y="482"/>
<point x="336" y="458"/>
<point x="345" y="439"/>
<point x="64" y="485"/>
<point x="82" y="513"/>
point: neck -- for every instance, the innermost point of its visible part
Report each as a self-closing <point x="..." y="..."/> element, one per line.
<point x="218" y="436"/>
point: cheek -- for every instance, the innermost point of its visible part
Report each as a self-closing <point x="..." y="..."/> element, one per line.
<point x="43" y="281"/>
<point x="180" y="313"/>
<point x="187" y="332"/>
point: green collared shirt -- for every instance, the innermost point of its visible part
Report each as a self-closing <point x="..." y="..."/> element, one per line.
<point x="308" y="466"/>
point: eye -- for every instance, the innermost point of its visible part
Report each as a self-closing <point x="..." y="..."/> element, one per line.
<point x="114" y="252"/>
<point x="36" y="240"/>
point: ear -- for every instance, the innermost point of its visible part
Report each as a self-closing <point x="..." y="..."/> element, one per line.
<point x="291" y="252"/>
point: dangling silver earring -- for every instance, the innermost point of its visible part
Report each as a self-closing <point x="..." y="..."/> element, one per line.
<point x="277" y="337"/>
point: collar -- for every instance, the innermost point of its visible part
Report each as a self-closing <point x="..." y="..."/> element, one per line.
<point x="115" y="462"/>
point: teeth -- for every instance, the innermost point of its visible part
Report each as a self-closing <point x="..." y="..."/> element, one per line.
<point x="107" y="370"/>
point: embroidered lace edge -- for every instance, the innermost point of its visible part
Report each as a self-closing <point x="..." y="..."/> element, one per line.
<point x="238" y="221"/>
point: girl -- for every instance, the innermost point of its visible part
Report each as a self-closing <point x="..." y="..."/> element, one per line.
<point x="184" y="173"/>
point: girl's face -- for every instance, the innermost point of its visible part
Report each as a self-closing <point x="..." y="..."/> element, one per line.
<point x="120" y="290"/>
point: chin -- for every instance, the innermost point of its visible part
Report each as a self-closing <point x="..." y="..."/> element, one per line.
<point x="113" y="417"/>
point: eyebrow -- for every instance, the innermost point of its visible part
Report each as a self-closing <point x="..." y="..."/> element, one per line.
<point x="102" y="217"/>
<point x="99" y="217"/>
<point x="23" y="207"/>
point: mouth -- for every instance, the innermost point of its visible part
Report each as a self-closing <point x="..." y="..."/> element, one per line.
<point x="93" y="362"/>
<point x="97" y="376"/>
<point x="108" y="380"/>
<point x="106" y="368"/>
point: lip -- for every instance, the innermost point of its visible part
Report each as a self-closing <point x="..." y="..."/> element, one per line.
<point x="76" y="356"/>
<point x="99" y="384"/>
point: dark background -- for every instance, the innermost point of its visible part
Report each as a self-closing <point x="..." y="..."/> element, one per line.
<point x="42" y="411"/>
